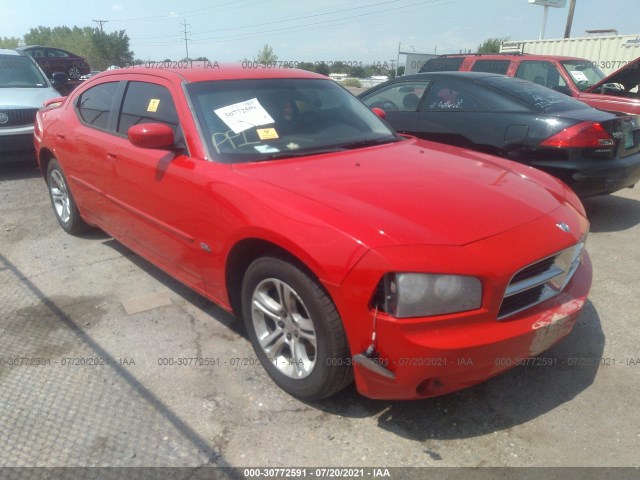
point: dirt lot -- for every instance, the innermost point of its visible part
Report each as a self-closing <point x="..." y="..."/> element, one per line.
<point x="107" y="324"/>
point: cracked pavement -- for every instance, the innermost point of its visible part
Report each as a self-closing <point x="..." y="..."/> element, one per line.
<point x="111" y="391"/>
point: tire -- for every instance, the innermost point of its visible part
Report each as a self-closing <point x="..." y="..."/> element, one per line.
<point x="74" y="73"/>
<point x="64" y="206"/>
<point x="295" y="329"/>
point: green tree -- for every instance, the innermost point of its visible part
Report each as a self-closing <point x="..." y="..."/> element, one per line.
<point x="322" y="68"/>
<point x="491" y="45"/>
<point x="266" y="55"/>
<point x="9" y="42"/>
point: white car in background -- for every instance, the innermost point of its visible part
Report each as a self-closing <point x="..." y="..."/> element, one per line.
<point x="23" y="90"/>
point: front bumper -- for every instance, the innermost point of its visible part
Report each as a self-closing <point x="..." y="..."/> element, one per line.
<point x="431" y="362"/>
<point x="430" y="356"/>
<point x="17" y="147"/>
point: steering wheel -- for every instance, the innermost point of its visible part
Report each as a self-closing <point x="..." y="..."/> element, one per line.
<point x="386" y="105"/>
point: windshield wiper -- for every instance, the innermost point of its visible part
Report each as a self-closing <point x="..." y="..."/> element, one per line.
<point x="300" y="153"/>
<point x="368" y="143"/>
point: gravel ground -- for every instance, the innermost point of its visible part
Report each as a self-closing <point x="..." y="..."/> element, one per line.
<point x="104" y="322"/>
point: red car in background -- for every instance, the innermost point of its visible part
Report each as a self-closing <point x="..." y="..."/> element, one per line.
<point x="348" y="250"/>
<point x="53" y="60"/>
<point x="577" y="77"/>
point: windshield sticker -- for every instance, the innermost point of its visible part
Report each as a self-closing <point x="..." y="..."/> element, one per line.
<point x="266" y="149"/>
<point x="293" y="146"/>
<point x="267" y="133"/>
<point x="579" y="76"/>
<point x="153" y="105"/>
<point x="244" y="115"/>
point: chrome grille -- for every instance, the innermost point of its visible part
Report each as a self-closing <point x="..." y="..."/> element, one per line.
<point x="18" y="116"/>
<point x="540" y="281"/>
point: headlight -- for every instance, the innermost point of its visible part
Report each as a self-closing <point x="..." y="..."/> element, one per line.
<point x="422" y="295"/>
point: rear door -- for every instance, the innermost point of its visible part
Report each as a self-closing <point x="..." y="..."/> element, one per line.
<point x="465" y="115"/>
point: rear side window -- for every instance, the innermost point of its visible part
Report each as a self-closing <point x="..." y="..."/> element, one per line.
<point x="444" y="97"/>
<point x="491" y="66"/>
<point x="442" y="65"/>
<point x="94" y="105"/>
<point x="543" y="73"/>
<point x="147" y="103"/>
<point x="534" y="96"/>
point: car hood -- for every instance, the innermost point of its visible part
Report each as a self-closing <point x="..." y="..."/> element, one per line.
<point x="629" y="76"/>
<point x="414" y="192"/>
<point x="25" y="97"/>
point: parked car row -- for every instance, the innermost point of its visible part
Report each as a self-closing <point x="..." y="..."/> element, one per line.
<point x="593" y="151"/>
<point x="23" y="90"/>
<point x="576" y="77"/>
<point x="350" y="252"/>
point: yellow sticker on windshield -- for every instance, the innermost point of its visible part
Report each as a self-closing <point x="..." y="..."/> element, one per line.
<point x="153" y="105"/>
<point x="267" y="133"/>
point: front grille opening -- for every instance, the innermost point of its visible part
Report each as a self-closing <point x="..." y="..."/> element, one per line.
<point x="540" y="280"/>
<point x="520" y="301"/>
<point x="536" y="269"/>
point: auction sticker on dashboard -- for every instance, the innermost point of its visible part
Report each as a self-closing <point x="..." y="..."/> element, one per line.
<point x="244" y="115"/>
<point x="267" y="133"/>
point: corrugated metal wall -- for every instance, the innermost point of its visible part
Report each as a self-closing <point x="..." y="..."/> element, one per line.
<point x="609" y="53"/>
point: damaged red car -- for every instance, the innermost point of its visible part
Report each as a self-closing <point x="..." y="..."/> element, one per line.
<point x="349" y="251"/>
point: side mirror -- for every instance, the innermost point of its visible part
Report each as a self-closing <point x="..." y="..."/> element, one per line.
<point x="379" y="112"/>
<point x="152" y="135"/>
<point x="58" y="79"/>
<point x="54" y="102"/>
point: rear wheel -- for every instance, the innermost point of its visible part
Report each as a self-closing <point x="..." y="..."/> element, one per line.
<point x="295" y="329"/>
<point x="74" y="73"/>
<point x="64" y="206"/>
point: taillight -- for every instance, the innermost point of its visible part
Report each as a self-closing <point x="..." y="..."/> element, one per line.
<point x="582" y="135"/>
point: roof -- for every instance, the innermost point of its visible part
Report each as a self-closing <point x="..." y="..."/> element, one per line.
<point x="6" y="51"/>
<point x="192" y="71"/>
<point x="506" y="55"/>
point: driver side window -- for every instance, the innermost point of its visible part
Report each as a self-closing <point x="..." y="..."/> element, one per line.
<point x="403" y="97"/>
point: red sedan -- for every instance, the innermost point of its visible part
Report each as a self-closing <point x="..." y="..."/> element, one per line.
<point x="348" y="250"/>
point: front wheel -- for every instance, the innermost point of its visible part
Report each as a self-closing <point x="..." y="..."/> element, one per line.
<point x="64" y="206"/>
<point x="295" y="329"/>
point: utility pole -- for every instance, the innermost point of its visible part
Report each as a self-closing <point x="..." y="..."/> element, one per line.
<point x="185" y="32"/>
<point x="567" y="30"/>
<point x="101" y="23"/>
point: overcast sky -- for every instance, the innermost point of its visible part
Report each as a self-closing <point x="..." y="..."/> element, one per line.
<point x="315" y="30"/>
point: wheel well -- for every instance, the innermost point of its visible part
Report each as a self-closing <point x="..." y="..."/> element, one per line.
<point x="45" y="157"/>
<point x="242" y="255"/>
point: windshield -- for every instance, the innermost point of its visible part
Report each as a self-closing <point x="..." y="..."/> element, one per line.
<point x="20" y="72"/>
<point x="534" y="96"/>
<point x="584" y="74"/>
<point x="265" y="119"/>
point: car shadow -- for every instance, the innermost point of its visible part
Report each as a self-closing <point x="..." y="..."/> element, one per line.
<point x="214" y="311"/>
<point x="612" y="213"/>
<point x="510" y="399"/>
<point x="513" y="398"/>
<point x="19" y="171"/>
